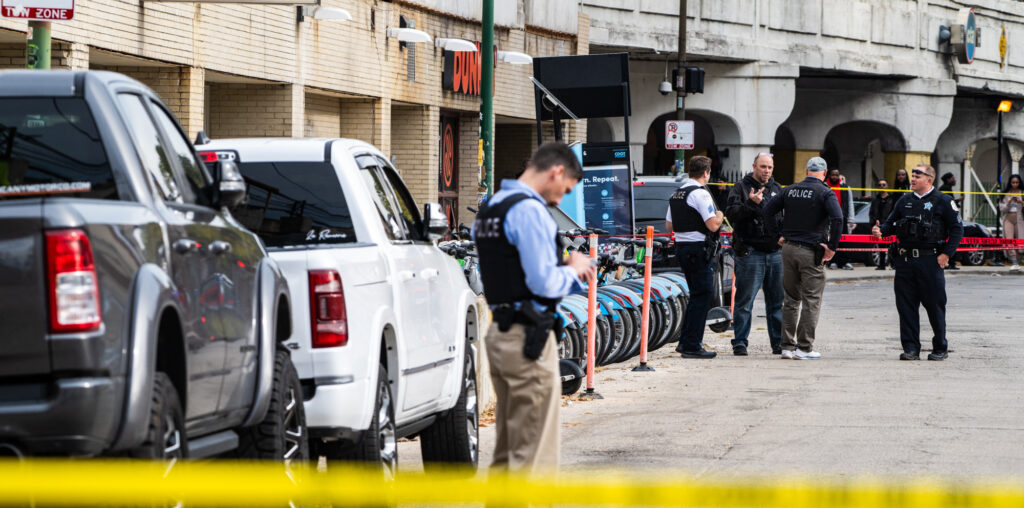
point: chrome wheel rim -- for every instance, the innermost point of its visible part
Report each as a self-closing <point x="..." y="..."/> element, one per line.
<point x="293" y="435"/>
<point x="388" y="441"/>
<point x="473" y="423"/>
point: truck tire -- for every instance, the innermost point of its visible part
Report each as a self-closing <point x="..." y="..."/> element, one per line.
<point x="165" y="437"/>
<point x="281" y="436"/>
<point x="379" y="444"/>
<point x="455" y="437"/>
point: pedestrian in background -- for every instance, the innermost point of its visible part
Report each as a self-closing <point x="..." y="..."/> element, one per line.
<point x="928" y="230"/>
<point x="755" y="244"/>
<point x="881" y="207"/>
<point x="694" y="220"/>
<point x="1012" y="207"/>
<point x="811" y="225"/>
<point x="845" y="198"/>
<point x="523" y="282"/>
<point x="902" y="181"/>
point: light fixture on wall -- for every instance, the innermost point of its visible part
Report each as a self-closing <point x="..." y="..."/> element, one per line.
<point x="514" y="57"/>
<point x="454" y="44"/>
<point x="321" y="12"/>
<point x="408" y="35"/>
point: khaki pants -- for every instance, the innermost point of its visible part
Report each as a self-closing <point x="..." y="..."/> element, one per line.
<point x="529" y="394"/>
<point x="803" y="282"/>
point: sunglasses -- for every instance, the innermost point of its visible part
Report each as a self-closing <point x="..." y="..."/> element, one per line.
<point x="918" y="172"/>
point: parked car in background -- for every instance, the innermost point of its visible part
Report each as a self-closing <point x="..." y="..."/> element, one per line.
<point x="385" y="326"/>
<point x="140" y="318"/>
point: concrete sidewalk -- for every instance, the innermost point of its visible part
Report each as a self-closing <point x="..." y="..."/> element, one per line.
<point x="861" y="272"/>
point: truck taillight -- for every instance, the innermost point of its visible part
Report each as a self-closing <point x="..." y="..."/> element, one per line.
<point x="74" y="291"/>
<point x="327" y="309"/>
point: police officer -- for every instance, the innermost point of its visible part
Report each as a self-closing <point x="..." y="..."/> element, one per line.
<point x="928" y="230"/>
<point x="811" y="225"/>
<point x="694" y="220"/>
<point x="523" y="281"/>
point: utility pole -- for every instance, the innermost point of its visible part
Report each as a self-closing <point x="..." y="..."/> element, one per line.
<point x="487" y="96"/>
<point x="37" y="50"/>
<point x="681" y="72"/>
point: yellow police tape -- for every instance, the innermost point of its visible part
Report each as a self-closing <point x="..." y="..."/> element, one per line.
<point x="225" y="483"/>
<point x="870" y="189"/>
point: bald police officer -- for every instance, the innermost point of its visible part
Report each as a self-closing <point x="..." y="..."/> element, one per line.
<point x="811" y="225"/>
<point x="928" y="230"/>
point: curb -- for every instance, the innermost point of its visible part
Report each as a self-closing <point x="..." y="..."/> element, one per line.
<point x="888" y="274"/>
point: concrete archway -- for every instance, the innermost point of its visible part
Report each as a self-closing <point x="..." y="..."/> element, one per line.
<point x="859" y="150"/>
<point x="711" y="129"/>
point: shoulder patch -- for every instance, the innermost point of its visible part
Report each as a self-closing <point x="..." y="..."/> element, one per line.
<point x="711" y="209"/>
<point x="952" y="205"/>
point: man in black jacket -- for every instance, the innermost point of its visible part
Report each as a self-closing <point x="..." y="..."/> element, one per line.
<point x="881" y="207"/>
<point x="756" y="247"/>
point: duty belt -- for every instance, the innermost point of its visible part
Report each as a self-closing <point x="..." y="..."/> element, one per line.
<point x="916" y="253"/>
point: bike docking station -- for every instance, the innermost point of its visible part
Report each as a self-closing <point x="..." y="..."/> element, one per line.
<point x="589" y="393"/>
<point x="645" y="316"/>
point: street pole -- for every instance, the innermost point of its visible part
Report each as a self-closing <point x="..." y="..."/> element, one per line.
<point x="999" y="171"/>
<point x="37" y="50"/>
<point x="681" y="69"/>
<point x="487" y="95"/>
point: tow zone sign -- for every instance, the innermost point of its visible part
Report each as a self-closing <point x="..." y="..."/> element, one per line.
<point x="46" y="10"/>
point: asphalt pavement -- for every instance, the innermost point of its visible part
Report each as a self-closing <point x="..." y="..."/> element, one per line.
<point x="857" y="411"/>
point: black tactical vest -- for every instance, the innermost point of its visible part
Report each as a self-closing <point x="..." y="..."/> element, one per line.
<point x="805" y="210"/>
<point x="686" y="218"/>
<point x="921" y="224"/>
<point x="501" y="270"/>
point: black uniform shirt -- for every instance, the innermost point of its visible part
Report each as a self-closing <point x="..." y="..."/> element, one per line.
<point x="811" y="213"/>
<point x="946" y="227"/>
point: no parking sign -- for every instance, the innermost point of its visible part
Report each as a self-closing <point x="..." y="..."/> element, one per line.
<point x="679" y="134"/>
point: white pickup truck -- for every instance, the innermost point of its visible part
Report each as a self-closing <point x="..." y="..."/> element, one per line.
<point x="383" y="321"/>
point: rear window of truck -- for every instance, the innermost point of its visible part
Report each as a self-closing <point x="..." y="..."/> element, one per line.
<point x="51" y="147"/>
<point x="295" y="204"/>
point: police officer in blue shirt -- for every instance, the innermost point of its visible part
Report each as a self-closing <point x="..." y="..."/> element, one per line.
<point x="928" y="230"/>
<point x="523" y="280"/>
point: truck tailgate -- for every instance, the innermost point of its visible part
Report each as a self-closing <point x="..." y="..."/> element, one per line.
<point x="23" y="316"/>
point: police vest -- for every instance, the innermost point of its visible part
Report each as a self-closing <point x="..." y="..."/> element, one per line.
<point x="501" y="270"/>
<point x="921" y="223"/>
<point x="686" y="218"/>
<point x="805" y="209"/>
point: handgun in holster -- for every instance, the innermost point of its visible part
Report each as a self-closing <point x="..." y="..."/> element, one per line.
<point x="537" y="324"/>
<point x="819" y="255"/>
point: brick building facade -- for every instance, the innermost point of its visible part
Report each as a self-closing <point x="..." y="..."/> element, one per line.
<point x="245" y="70"/>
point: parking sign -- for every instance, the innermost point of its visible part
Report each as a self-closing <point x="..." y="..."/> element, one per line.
<point x="679" y="134"/>
<point x="46" y="10"/>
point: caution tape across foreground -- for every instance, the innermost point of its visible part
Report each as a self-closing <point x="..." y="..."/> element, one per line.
<point x="113" y="483"/>
<point x="896" y="191"/>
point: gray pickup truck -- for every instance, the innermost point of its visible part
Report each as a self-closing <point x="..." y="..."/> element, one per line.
<point x="137" y="316"/>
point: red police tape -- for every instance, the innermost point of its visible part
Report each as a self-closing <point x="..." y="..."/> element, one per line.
<point x="972" y="243"/>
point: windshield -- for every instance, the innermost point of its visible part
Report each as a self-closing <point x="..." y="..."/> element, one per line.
<point x="565" y="223"/>
<point x="650" y="202"/>
<point x="50" y="146"/>
<point x="293" y="204"/>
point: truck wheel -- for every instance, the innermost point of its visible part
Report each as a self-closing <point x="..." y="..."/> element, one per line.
<point x="379" y="444"/>
<point x="282" y="433"/>
<point x="455" y="437"/>
<point x="165" y="437"/>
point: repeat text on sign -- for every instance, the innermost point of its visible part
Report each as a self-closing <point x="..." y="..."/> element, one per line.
<point x="38" y="13"/>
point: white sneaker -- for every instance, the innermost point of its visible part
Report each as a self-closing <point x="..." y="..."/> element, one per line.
<point x="787" y="354"/>
<point x="799" y="354"/>
<point x="1015" y="268"/>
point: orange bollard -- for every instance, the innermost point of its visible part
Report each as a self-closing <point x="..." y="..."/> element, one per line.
<point x="591" y="327"/>
<point x="645" y="316"/>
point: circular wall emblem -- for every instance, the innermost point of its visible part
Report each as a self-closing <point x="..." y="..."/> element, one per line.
<point x="448" y="156"/>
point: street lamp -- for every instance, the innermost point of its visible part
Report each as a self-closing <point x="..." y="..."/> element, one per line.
<point x="515" y="57"/>
<point x="321" y="12"/>
<point x="454" y="44"/>
<point x="1004" y="107"/>
<point x="408" y="34"/>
